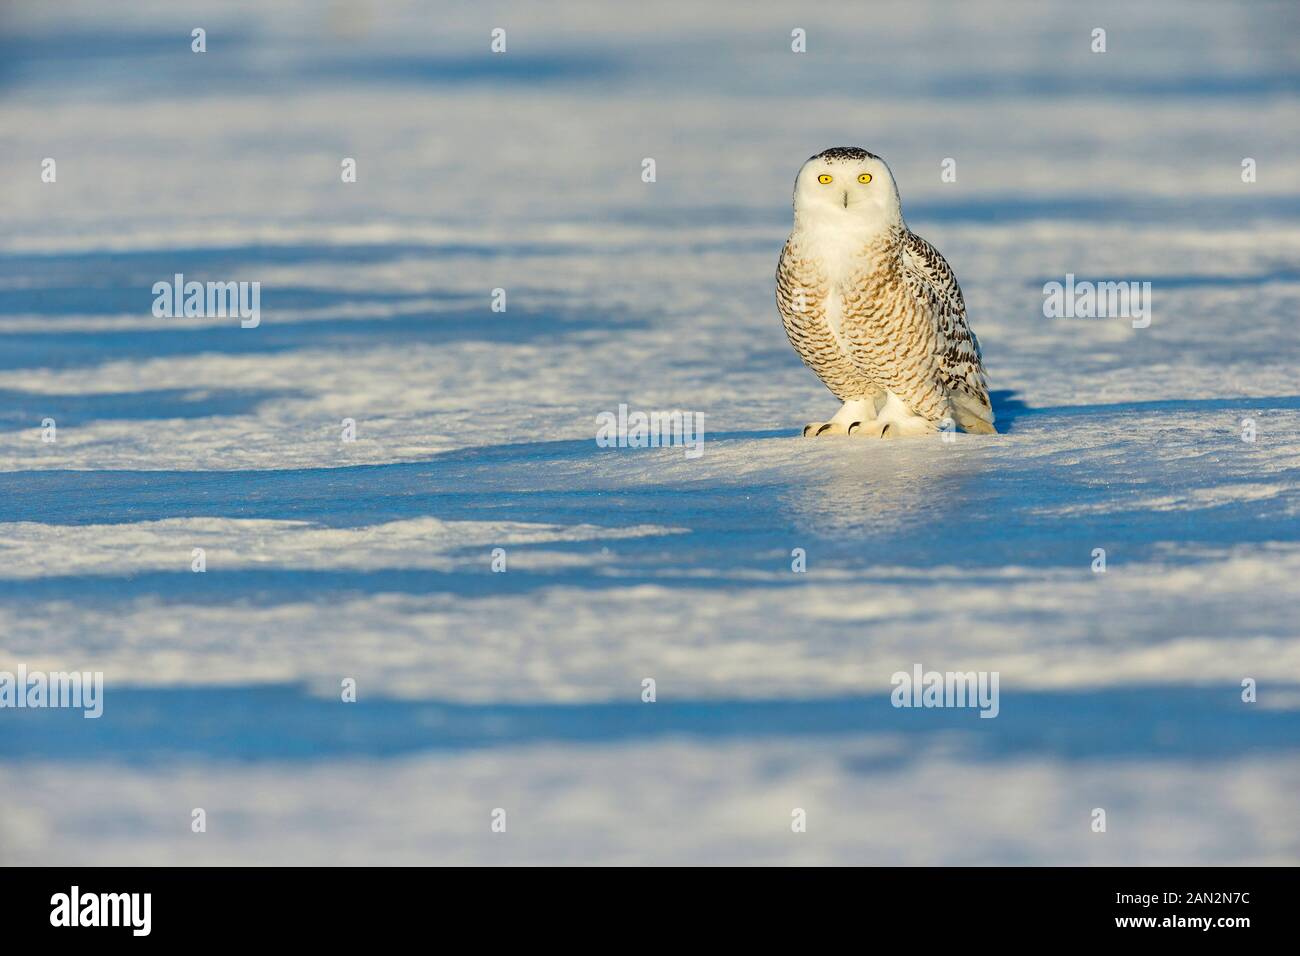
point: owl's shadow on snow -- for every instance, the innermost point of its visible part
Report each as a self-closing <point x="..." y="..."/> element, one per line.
<point x="1006" y="408"/>
<point x="1009" y="409"/>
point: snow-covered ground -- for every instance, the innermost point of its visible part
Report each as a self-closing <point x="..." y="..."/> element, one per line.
<point x="371" y="560"/>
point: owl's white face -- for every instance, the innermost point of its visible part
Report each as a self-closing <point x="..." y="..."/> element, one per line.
<point x="849" y="187"/>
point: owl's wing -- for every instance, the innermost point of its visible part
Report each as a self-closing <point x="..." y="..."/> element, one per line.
<point x="801" y="290"/>
<point x="960" y="368"/>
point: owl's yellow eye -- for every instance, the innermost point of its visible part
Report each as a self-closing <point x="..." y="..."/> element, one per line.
<point x="864" y="178"/>
<point x="823" y="179"/>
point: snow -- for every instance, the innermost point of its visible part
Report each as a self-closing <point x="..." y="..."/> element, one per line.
<point x="475" y="430"/>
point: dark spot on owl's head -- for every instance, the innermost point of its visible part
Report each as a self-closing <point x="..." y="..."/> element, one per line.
<point x="854" y="153"/>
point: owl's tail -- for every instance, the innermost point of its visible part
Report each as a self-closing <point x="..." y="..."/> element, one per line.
<point x="972" y="414"/>
<point x="977" y="426"/>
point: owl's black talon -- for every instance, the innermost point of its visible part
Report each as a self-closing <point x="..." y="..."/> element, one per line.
<point x="854" y="427"/>
<point x="805" y="429"/>
<point x="823" y="428"/>
<point x="884" y="432"/>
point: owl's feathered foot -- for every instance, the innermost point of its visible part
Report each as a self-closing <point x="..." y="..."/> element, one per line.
<point x="853" y="429"/>
<point x="873" y="430"/>
<point x="852" y="414"/>
<point x="822" y="429"/>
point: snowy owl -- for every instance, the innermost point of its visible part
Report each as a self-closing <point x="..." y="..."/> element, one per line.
<point x="873" y="309"/>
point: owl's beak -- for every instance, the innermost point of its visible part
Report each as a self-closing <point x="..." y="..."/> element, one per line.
<point x="846" y="199"/>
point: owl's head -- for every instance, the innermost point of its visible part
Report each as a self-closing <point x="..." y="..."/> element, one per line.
<point x="848" y="186"/>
